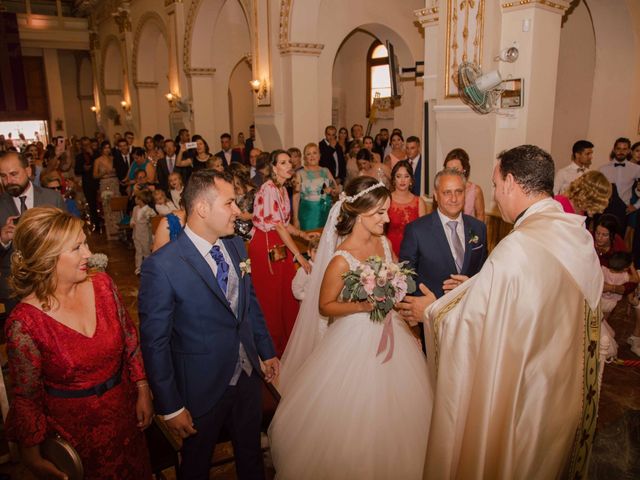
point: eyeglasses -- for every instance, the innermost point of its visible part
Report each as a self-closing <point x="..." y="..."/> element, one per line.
<point x="56" y="188"/>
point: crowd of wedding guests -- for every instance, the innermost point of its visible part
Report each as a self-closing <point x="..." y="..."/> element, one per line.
<point x="283" y="199"/>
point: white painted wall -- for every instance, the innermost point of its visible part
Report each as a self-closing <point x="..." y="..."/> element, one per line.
<point x="574" y="89"/>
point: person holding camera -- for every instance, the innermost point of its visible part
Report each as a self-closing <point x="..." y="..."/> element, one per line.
<point x="19" y="195"/>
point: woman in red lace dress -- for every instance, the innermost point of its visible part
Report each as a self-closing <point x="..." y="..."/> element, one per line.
<point x="405" y="206"/>
<point x="272" y="251"/>
<point x="73" y="355"/>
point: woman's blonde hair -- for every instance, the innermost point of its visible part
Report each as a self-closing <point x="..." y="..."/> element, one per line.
<point x="307" y="147"/>
<point x="590" y="192"/>
<point x="39" y="239"/>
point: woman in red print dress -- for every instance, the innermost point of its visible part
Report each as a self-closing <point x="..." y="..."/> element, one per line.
<point x="74" y="355"/>
<point x="405" y="206"/>
<point x="272" y="251"/>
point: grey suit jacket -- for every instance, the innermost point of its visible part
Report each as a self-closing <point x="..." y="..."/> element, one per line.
<point x="41" y="197"/>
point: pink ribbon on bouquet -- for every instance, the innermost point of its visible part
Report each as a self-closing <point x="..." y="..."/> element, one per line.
<point x="387" y="337"/>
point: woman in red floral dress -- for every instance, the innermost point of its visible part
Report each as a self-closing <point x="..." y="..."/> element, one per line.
<point x="405" y="206"/>
<point x="272" y="251"/>
<point x="73" y="355"/>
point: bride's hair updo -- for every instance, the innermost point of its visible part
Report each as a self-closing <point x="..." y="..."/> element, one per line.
<point x="351" y="209"/>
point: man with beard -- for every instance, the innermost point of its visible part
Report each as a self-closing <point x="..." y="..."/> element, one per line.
<point x="19" y="195"/>
<point x="623" y="174"/>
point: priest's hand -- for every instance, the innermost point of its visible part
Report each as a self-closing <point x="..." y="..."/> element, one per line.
<point x="412" y="308"/>
<point x="453" y="282"/>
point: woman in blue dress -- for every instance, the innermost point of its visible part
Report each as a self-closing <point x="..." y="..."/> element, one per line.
<point x="314" y="188"/>
<point x="169" y="228"/>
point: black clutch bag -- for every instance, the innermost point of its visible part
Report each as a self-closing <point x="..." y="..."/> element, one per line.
<point x="62" y="454"/>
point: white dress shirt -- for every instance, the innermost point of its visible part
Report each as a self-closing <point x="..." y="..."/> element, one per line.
<point x="566" y="175"/>
<point x="171" y="162"/>
<point x="623" y="176"/>
<point x="176" y="195"/>
<point x="227" y="156"/>
<point x="447" y="231"/>
<point x="27" y="193"/>
<point x="233" y="283"/>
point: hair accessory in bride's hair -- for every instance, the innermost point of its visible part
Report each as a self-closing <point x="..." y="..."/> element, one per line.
<point x="18" y="255"/>
<point x="352" y="198"/>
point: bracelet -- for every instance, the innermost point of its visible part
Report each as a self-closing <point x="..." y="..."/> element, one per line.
<point x="142" y="384"/>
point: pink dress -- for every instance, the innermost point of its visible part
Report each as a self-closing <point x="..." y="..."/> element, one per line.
<point x="470" y="200"/>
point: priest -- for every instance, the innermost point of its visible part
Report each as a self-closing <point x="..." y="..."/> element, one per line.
<point x="514" y="350"/>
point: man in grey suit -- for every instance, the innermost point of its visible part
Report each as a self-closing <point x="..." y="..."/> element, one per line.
<point x="19" y="195"/>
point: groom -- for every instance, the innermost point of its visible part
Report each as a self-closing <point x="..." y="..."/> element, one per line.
<point x="202" y="333"/>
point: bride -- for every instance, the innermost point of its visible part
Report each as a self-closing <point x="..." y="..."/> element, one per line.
<point x="344" y="413"/>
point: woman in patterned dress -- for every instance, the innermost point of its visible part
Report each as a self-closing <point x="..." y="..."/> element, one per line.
<point x="272" y="251"/>
<point x="314" y="187"/>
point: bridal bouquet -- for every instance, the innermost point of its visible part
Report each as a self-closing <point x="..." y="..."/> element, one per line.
<point x="381" y="283"/>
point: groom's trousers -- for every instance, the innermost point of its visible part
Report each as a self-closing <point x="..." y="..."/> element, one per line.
<point x="240" y="412"/>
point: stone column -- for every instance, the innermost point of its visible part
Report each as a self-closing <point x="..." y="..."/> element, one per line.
<point x="300" y="75"/>
<point x="54" y="91"/>
<point x="123" y="20"/>
<point x="429" y="19"/>
<point x="535" y="27"/>
<point x="98" y="96"/>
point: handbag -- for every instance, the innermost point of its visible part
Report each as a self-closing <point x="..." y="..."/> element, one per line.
<point x="62" y="454"/>
<point x="277" y="253"/>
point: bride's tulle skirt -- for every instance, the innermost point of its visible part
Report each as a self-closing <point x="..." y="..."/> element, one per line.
<point x="345" y="415"/>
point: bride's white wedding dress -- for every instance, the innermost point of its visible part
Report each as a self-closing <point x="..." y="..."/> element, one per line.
<point x="346" y="415"/>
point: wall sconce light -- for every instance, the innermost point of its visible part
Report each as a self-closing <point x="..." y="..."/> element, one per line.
<point x="125" y="106"/>
<point x="508" y="55"/>
<point x="259" y="88"/>
<point x="94" y="109"/>
<point x="176" y="103"/>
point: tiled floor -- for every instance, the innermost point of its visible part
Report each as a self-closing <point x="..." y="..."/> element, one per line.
<point x="617" y="450"/>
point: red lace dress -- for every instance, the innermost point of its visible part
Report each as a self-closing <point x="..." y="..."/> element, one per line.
<point x="400" y="214"/>
<point x="272" y="279"/>
<point x="102" y="429"/>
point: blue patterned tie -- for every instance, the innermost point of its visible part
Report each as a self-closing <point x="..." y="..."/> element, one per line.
<point x="223" y="268"/>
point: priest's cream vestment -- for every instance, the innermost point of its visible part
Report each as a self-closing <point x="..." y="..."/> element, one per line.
<point x="514" y="352"/>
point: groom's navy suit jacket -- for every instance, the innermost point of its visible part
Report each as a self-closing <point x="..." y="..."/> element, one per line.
<point x="190" y="336"/>
<point x="425" y="247"/>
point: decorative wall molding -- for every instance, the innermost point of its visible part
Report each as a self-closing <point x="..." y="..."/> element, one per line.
<point x="200" y="72"/>
<point x="314" y="49"/>
<point x="146" y="84"/>
<point x="168" y="3"/>
<point x="190" y="24"/>
<point x="557" y="6"/>
<point x="428" y="17"/>
<point x="152" y="17"/>
<point x="285" y="15"/>
<point x="465" y="26"/>
<point x="122" y="17"/>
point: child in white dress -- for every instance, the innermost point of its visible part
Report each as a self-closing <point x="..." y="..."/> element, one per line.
<point x="301" y="280"/>
<point x="141" y="225"/>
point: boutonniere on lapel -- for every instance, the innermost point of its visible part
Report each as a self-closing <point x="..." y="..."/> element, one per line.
<point x="245" y="267"/>
<point x="473" y="238"/>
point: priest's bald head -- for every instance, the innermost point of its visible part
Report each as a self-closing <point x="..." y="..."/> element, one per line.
<point x="522" y="176"/>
